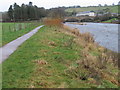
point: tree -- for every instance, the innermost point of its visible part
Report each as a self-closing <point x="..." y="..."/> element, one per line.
<point x="119" y="3"/>
<point x="17" y="12"/>
<point x="99" y="5"/>
<point x="105" y="5"/>
<point x="31" y="11"/>
<point x="36" y="12"/>
<point x="24" y="15"/>
<point x="5" y="16"/>
<point x="42" y="12"/>
<point x="56" y="13"/>
<point x="74" y="13"/>
<point x="78" y="6"/>
<point x="30" y="3"/>
<point x="113" y="4"/>
<point x="10" y="12"/>
<point x="25" y="12"/>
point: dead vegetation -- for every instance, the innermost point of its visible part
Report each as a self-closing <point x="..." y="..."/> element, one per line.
<point x="52" y="43"/>
<point x="95" y="67"/>
<point x="40" y="62"/>
<point x="52" y="22"/>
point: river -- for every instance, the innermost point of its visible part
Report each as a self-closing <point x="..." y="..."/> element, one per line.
<point x="104" y="34"/>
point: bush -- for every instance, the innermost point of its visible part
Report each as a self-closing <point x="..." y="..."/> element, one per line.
<point x="53" y="22"/>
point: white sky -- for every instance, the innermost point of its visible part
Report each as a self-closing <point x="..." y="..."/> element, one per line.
<point x="4" y="4"/>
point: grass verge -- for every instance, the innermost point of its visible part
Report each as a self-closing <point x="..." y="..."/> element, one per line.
<point x="60" y="58"/>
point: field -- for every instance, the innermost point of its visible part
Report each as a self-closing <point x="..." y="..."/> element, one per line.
<point x="11" y="31"/>
<point x="113" y="9"/>
<point x="57" y="57"/>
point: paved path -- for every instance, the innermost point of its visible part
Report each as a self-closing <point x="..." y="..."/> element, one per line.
<point x="9" y="48"/>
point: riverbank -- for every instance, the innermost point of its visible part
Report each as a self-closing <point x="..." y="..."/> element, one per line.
<point x="103" y="33"/>
<point x="113" y="21"/>
<point x="60" y="57"/>
<point x="85" y="23"/>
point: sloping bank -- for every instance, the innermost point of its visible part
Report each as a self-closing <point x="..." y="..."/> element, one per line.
<point x="58" y="57"/>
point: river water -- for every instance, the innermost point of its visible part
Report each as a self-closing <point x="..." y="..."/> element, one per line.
<point x="104" y="34"/>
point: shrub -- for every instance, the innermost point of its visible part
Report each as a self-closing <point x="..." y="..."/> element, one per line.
<point x="53" y="22"/>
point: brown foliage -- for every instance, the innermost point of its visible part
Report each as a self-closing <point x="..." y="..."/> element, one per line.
<point x="90" y="66"/>
<point x="40" y="62"/>
<point x="51" y="43"/>
<point x="53" y="22"/>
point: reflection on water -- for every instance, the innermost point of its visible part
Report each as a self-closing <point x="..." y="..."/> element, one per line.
<point x="104" y="34"/>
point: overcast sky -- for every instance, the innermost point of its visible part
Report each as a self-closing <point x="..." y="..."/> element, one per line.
<point x="4" y="4"/>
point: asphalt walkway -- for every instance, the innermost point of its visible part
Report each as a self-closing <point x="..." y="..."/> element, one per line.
<point x="9" y="48"/>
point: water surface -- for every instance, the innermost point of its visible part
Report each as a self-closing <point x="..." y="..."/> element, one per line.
<point x="104" y="34"/>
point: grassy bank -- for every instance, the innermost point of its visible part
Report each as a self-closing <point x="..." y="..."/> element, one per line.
<point x="60" y="58"/>
<point x="11" y="31"/>
<point x="111" y="20"/>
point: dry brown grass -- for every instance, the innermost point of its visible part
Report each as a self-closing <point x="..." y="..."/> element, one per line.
<point x="51" y="43"/>
<point x="88" y="43"/>
<point x="84" y="37"/>
<point x="89" y="66"/>
<point x="40" y="62"/>
<point x="53" y="22"/>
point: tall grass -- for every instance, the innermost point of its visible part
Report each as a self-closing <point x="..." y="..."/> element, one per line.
<point x="96" y="62"/>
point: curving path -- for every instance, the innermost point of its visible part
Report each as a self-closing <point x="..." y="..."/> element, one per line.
<point x="9" y="48"/>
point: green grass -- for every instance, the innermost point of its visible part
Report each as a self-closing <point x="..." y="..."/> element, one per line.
<point x="22" y="71"/>
<point x="42" y="62"/>
<point x="109" y="21"/>
<point x="11" y="31"/>
<point x="113" y="9"/>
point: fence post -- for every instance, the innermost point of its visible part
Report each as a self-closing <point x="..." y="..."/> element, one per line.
<point x="14" y="26"/>
<point x="19" y="26"/>
<point x="2" y="28"/>
<point x="9" y="28"/>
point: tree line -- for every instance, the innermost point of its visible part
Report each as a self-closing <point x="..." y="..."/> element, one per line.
<point x="28" y="12"/>
<point x="25" y="12"/>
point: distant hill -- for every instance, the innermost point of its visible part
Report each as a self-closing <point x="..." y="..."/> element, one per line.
<point x="113" y="9"/>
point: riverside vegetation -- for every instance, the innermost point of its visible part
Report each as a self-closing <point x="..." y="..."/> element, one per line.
<point x="61" y="57"/>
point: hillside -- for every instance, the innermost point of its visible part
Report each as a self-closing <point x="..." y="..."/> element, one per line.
<point x="113" y="9"/>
